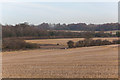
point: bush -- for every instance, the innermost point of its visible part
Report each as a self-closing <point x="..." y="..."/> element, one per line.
<point x="70" y="44"/>
<point x="96" y="42"/>
<point x="116" y="41"/>
<point x="118" y="34"/>
<point x="17" y="44"/>
<point x="80" y="44"/>
<point x="106" y="42"/>
<point x="86" y="43"/>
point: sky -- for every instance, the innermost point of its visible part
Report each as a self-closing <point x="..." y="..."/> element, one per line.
<point x="37" y="12"/>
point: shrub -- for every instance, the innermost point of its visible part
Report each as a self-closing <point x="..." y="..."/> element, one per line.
<point x="17" y="44"/>
<point x="86" y="43"/>
<point x="106" y="42"/>
<point x="118" y="34"/>
<point x="80" y="44"/>
<point x="116" y="41"/>
<point x="96" y="42"/>
<point x="70" y="44"/>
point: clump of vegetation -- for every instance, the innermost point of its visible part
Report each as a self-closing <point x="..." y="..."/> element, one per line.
<point x="17" y="44"/>
<point x="70" y="44"/>
<point x="86" y="43"/>
<point x="80" y="44"/>
<point x="118" y="34"/>
<point x="116" y="41"/>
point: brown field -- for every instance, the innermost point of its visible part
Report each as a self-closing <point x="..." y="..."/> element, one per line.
<point x="52" y="43"/>
<point x="86" y="62"/>
<point x="63" y="41"/>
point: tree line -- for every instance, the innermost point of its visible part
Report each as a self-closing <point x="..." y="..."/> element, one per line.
<point x="77" y="26"/>
<point x="46" y="30"/>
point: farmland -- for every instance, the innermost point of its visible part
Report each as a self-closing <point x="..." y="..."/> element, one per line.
<point x="59" y="40"/>
<point x="52" y="43"/>
<point x="85" y="62"/>
<point x="64" y="40"/>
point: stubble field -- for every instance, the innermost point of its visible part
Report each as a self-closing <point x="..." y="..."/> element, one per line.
<point x="85" y="62"/>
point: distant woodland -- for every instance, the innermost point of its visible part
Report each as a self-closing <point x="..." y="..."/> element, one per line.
<point x="46" y="30"/>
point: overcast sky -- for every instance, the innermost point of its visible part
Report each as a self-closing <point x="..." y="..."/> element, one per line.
<point x="59" y="12"/>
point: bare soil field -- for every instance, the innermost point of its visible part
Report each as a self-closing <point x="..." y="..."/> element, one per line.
<point x="85" y="62"/>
